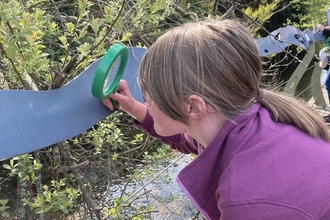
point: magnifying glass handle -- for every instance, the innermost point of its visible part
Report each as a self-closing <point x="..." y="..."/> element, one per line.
<point x="114" y="102"/>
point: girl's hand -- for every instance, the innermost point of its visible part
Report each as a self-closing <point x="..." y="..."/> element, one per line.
<point x="320" y="27"/>
<point x="126" y="102"/>
<point x="122" y="96"/>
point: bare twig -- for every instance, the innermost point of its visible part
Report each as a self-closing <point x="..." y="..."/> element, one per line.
<point x="73" y="167"/>
<point x="67" y="156"/>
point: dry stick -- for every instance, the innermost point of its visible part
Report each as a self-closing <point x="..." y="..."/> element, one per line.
<point x="29" y="84"/>
<point x="147" y="183"/>
<point x="39" y="180"/>
<point x="172" y="211"/>
<point x="73" y="167"/>
<point x="3" y="83"/>
<point x="67" y="155"/>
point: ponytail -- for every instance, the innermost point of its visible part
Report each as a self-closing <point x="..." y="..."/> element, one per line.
<point x="289" y="110"/>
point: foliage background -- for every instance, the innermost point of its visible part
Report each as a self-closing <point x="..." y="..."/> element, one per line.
<point x="45" y="44"/>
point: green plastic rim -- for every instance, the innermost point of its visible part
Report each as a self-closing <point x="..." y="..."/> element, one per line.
<point x="327" y="42"/>
<point x="102" y="86"/>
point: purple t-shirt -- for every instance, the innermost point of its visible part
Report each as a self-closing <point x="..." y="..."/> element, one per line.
<point x="256" y="168"/>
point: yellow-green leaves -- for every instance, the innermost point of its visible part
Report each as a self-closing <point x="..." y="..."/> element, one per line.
<point x="262" y="13"/>
<point x="95" y="24"/>
<point x="4" y="207"/>
<point x="158" y="5"/>
<point x="64" y="41"/>
<point x="83" y="8"/>
<point x="70" y="26"/>
<point x="126" y="36"/>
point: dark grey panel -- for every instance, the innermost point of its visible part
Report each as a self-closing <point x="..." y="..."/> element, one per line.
<point x="31" y="120"/>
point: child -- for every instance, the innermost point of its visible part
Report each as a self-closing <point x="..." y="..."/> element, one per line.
<point x="261" y="155"/>
<point x="324" y="63"/>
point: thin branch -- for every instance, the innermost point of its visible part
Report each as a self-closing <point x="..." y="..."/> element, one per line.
<point x="73" y="167"/>
<point x="232" y="8"/>
<point x="64" y="148"/>
<point x="96" y="45"/>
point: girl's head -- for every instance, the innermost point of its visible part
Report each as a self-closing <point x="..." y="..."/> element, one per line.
<point x="215" y="60"/>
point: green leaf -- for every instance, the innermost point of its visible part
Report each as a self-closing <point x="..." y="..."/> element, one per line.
<point x="82" y="33"/>
<point x="126" y="36"/>
<point x="6" y="166"/>
<point x="70" y="26"/>
<point x="96" y="23"/>
<point x="10" y="52"/>
<point x="107" y="10"/>
<point x="47" y="196"/>
<point x="115" y="156"/>
<point x="40" y="199"/>
<point x="39" y="211"/>
<point x="3" y="202"/>
<point x="63" y="40"/>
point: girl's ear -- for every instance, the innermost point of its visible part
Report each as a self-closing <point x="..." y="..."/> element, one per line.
<point x="196" y="107"/>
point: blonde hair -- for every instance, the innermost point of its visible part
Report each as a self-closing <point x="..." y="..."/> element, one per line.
<point x="217" y="60"/>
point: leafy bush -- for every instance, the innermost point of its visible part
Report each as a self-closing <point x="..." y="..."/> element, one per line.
<point x="45" y="44"/>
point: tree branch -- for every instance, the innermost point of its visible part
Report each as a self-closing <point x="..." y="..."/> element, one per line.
<point x="73" y="167"/>
<point x="64" y="148"/>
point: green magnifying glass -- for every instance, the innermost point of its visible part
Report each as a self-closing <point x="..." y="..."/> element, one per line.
<point x="327" y="42"/>
<point x="109" y="72"/>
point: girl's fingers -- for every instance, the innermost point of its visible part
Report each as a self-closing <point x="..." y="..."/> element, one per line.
<point x="108" y="103"/>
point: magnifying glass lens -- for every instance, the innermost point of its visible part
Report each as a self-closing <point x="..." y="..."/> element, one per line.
<point x="109" y="71"/>
<point x="111" y="74"/>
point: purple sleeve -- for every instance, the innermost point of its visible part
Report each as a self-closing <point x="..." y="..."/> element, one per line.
<point x="267" y="210"/>
<point x="180" y="142"/>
